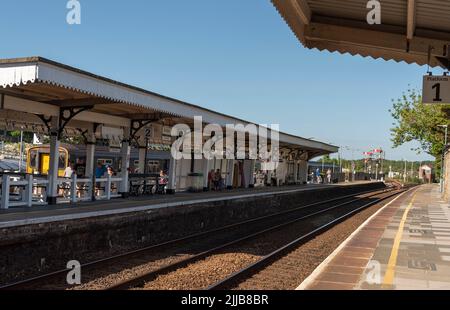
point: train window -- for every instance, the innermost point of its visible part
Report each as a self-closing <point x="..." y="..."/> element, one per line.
<point x="33" y="159"/>
<point x="62" y="161"/>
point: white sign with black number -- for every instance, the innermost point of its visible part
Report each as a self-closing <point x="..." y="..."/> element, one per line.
<point x="436" y="89"/>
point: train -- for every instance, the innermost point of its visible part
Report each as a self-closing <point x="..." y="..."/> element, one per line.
<point x="38" y="158"/>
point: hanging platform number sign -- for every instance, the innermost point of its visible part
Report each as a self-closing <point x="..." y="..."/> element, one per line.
<point x="436" y="89"/>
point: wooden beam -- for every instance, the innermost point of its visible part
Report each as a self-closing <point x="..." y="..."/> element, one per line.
<point x="302" y="9"/>
<point x="373" y="43"/>
<point x="411" y="21"/>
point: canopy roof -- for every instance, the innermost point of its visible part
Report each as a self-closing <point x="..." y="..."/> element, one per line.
<point x="410" y="30"/>
<point x="40" y="86"/>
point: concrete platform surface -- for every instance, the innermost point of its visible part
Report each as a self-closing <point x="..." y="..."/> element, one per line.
<point x="44" y="214"/>
<point x="404" y="246"/>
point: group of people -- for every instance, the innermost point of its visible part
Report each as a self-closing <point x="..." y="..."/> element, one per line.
<point x="215" y="180"/>
<point x="79" y="169"/>
<point x="316" y="176"/>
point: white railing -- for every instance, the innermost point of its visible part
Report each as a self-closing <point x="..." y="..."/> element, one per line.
<point x="75" y="190"/>
<point x="32" y="191"/>
<point x="28" y="191"/>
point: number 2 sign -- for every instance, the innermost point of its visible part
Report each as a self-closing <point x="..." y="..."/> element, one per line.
<point x="436" y="89"/>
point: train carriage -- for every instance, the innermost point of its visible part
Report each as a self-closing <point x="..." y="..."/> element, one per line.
<point x="38" y="158"/>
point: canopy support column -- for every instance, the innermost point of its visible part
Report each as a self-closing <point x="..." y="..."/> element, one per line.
<point x="52" y="190"/>
<point x="172" y="185"/>
<point x="142" y="159"/>
<point x="206" y="168"/>
<point x="251" y="184"/>
<point x="125" y="165"/>
<point x="296" y="167"/>
<point x="230" y="175"/>
<point x="90" y="154"/>
<point x="303" y="171"/>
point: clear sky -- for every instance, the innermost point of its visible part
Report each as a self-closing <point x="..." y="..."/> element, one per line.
<point x="237" y="57"/>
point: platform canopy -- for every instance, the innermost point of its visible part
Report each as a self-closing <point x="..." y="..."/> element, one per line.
<point x="36" y="86"/>
<point x="414" y="31"/>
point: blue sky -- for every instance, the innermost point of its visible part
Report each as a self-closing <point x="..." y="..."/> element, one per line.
<point x="237" y="57"/>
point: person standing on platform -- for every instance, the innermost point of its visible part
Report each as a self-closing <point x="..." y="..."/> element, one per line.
<point x="68" y="171"/>
<point x="67" y="175"/>
<point x="329" y="176"/>
<point x="99" y="173"/>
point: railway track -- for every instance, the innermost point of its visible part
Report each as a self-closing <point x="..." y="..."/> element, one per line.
<point x="197" y="270"/>
<point x="166" y="258"/>
<point x="243" y="256"/>
<point x="273" y="264"/>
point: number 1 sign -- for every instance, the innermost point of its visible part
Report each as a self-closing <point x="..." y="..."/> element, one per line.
<point x="436" y="89"/>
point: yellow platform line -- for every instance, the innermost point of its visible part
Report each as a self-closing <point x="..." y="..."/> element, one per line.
<point x="390" y="272"/>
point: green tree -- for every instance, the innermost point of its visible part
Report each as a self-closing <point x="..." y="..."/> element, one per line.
<point x="419" y="122"/>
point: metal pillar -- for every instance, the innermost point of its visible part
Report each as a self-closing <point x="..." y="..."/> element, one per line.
<point x="230" y="175"/>
<point x="172" y="185"/>
<point x="90" y="154"/>
<point x="295" y="172"/>
<point x="125" y="165"/>
<point x="142" y="143"/>
<point x="52" y="190"/>
<point x="206" y="168"/>
<point x="142" y="159"/>
<point x="252" y="171"/>
<point x="303" y="171"/>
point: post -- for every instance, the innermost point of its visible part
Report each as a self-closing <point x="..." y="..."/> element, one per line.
<point x="90" y="158"/>
<point x="21" y="151"/>
<point x="206" y="168"/>
<point x="54" y="160"/>
<point x="5" y="191"/>
<point x="73" y="188"/>
<point x="252" y="171"/>
<point x="125" y="153"/>
<point x="29" y="190"/>
<point x="295" y="171"/>
<point x="172" y="185"/>
<point x="230" y="175"/>
<point x="142" y="159"/>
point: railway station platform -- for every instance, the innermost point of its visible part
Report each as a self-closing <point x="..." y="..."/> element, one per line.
<point x="404" y="246"/>
<point x="45" y="214"/>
